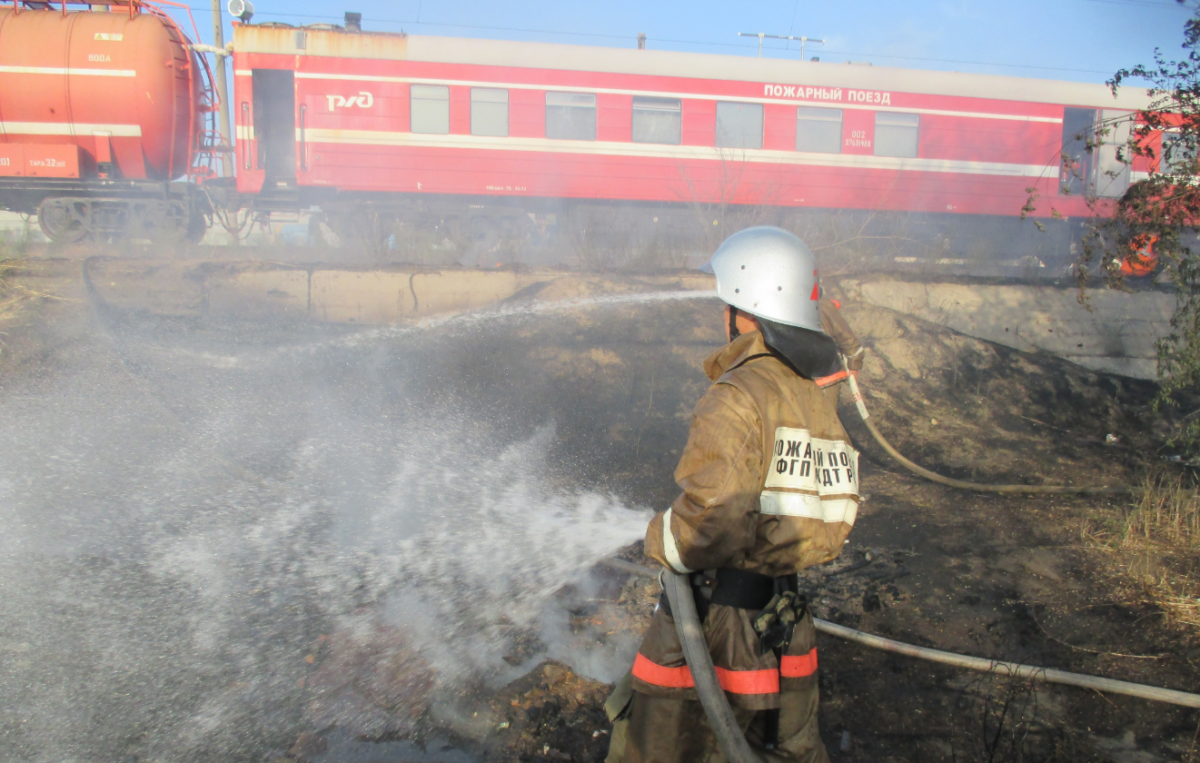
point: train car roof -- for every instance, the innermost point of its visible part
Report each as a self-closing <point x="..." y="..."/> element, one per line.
<point x="541" y="55"/>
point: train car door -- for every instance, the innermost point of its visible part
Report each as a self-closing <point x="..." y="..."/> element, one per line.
<point x="1075" y="171"/>
<point x="1095" y="152"/>
<point x="1112" y="155"/>
<point x="275" y="127"/>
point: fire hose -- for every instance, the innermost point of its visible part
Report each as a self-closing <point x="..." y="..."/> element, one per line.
<point x="704" y="674"/>
<point x="712" y="697"/>
<point x="720" y="714"/>
<point x="964" y="484"/>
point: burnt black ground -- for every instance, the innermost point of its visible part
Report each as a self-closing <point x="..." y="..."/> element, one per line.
<point x="998" y="576"/>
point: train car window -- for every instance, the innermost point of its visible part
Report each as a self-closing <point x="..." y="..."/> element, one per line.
<point x="1177" y="155"/>
<point x="430" y="109"/>
<point x="739" y="125"/>
<point x="571" y="116"/>
<point x="896" y="134"/>
<point x="1079" y="132"/>
<point x="657" y="120"/>
<point x="489" y="111"/>
<point x="819" y="130"/>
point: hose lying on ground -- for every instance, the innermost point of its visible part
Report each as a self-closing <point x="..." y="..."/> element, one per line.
<point x="1048" y="675"/>
<point x="976" y="486"/>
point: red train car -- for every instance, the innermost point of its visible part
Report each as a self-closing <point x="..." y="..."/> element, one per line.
<point x="327" y="116"/>
<point x="447" y="133"/>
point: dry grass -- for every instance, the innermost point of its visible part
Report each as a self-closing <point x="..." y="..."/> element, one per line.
<point x="15" y="295"/>
<point x="1157" y="542"/>
<point x="12" y="297"/>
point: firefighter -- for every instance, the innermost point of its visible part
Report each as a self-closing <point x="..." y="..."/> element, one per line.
<point x="769" y="486"/>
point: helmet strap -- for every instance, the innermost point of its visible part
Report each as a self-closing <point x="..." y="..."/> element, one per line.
<point x="733" y="329"/>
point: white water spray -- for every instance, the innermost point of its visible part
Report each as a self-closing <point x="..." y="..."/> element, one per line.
<point x="165" y="582"/>
<point x="452" y="324"/>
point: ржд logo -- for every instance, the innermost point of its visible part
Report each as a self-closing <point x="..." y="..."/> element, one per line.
<point x="362" y="100"/>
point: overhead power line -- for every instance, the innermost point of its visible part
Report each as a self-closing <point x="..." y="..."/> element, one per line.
<point x="1166" y="5"/>
<point x="763" y="36"/>
<point x="739" y="46"/>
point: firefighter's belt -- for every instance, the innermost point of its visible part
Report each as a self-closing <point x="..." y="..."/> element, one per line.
<point x="742" y="589"/>
<point x="777" y="601"/>
<point x="727" y="586"/>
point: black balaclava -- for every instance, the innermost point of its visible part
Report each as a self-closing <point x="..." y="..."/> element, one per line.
<point x="811" y="354"/>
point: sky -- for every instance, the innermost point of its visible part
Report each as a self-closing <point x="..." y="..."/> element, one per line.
<point x="1080" y="40"/>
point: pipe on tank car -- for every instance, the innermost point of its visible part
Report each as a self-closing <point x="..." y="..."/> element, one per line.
<point x="216" y="51"/>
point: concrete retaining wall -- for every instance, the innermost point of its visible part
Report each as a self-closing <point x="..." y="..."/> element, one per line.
<point x="261" y="290"/>
<point x="1117" y="336"/>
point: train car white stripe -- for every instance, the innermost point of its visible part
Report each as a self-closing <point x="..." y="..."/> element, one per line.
<point x="648" y="150"/>
<point x="69" y="128"/>
<point x="60" y="70"/>
<point x="664" y="94"/>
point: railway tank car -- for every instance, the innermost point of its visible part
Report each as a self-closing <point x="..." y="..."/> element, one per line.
<point x="99" y="111"/>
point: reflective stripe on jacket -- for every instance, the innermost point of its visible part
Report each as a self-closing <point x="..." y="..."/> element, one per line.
<point x="769" y="478"/>
<point x="770" y="485"/>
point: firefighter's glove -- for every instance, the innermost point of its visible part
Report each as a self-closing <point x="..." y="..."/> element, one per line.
<point x="854" y="362"/>
<point x="776" y="623"/>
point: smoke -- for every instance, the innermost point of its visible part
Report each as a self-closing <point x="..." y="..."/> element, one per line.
<point x="198" y="562"/>
<point x="469" y="541"/>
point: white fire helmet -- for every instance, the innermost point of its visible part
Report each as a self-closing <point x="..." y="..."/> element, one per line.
<point x="769" y="273"/>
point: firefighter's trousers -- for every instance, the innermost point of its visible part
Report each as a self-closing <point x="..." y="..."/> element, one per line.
<point x="668" y="730"/>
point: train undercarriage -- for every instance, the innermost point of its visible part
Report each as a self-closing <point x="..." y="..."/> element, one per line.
<point x="606" y="235"/>
<point x="70" y="211"/>
<point x="489" y="230"/>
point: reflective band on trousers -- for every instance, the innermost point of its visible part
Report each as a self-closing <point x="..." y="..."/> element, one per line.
<point x="800" y="666"/>
<point x="733" y="681"/>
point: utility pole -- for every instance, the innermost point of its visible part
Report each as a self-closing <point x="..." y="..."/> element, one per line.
<point x="222" y="86"/>
<point x="761" y="37"/>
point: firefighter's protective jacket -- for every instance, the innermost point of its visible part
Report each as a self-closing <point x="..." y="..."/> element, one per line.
<point x="770" y="485"/>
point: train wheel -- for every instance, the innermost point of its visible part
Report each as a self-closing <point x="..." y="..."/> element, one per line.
<point x="162" y="222"/>
<point x="65" y="221"/>
<point x="365" y="230"/>
<point x="197" y="227"/>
